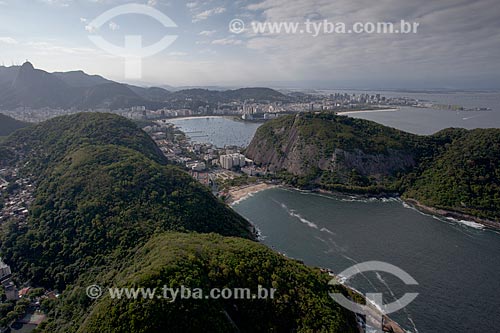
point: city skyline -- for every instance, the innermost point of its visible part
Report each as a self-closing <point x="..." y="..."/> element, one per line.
<point x="456" y="46"/>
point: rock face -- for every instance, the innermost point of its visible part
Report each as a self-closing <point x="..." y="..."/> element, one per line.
<point x="332" y="146"/>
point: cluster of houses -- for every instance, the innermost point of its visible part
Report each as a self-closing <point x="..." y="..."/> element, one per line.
<point x="16" y="203"/>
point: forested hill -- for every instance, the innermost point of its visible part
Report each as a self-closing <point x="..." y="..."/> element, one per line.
<point x="301" y="302"/>
<point x="106" y="206"/>
<point x="9" y="125"/>
<point x="465" y="177"/>
<point x="102" y="186"/>
<point x="455" y="169"/>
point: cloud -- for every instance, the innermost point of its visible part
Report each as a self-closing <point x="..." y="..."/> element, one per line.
<point x="62" y="3"/>
<point x="192" y="5"/>
<point x="177" y="54"/>
<point x="8" y="40"/>
<point x="456" y="38"/>
<point x="49" y="48"/>
<point x="207" y="33"/>
<point x="227" y="41"/>
<point x="152" y="3"/>
<point x="208" y="13"/>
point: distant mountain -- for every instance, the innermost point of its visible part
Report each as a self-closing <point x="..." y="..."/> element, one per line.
<point x="25" y="86"/>
<point x="81" y="79"/>
<point x="211" y="96"/>
<point x="153" y="94"/>
<point x="36" y="88"/>
<point x="9" y="125"/>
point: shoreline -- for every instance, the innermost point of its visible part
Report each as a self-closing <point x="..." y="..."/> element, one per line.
<point x="486" y="223"/>
<point x="237" y="194"/>
<point x="367" y="111"/>
<point x="194" y="117"/>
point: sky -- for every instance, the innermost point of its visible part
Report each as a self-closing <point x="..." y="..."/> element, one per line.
<point x="457" y="45"/>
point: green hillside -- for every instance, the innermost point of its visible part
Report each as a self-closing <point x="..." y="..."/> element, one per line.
<point x="107" y="199"/>
<point x="337" y="153"/>
<point x="465" y="177"/>
<point x="109" y="209"/>
<point x="9" y="125"/>
<point x="454" y="169"/>
<point x="301" y="302"/>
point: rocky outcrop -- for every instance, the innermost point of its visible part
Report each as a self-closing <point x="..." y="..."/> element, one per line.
<point x="283" y="145"/>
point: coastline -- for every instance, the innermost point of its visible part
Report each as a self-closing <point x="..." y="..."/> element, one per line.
<point x="367" y="111"/>
<point x="195" y="117"/>
<point x="488" y="224"/>
<point x="237" y="194"/>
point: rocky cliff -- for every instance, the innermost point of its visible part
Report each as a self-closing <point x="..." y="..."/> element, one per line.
<point x="331" y="149"/>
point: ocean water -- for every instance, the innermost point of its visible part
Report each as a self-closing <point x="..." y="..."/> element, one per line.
<point x="222" y="131"/>
<point x="457" y="266"/>
<point x="429" y="121"/>
<point x="219" y="131"/>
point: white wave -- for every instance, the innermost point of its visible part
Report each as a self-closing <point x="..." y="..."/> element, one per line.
<point x="260" y="235"/>
<point x="248" y="196"/>
<point x="471" y="224"/>
<point x="293" y="213"/>
<point x="327" y="231"/>
<point x="303" y="220"/>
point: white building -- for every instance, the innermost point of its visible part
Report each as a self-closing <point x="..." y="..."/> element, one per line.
<point x="232" y="161"/>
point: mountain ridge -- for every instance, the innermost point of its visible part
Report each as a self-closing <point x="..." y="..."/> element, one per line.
<point x="26" y="86"/>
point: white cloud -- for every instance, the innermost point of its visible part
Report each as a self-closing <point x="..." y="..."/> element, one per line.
<point x="207" y="33"/>
<point x="8" y="40"/>
<point x="192" y="5"/>
<point x="177" y="54"/>
<point x="62" y="3"/>
<point x="455" y="37"/>
<point x="208" y="13"/>
<point x="152" y="3"/>
<point x="47" y="48"/>
<point x="227" y="41"/>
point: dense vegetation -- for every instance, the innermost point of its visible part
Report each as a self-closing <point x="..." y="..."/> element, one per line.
<point x="9" y="125"/>
<point x="103" y="199"/>
<point x="48" y="143"/>
<point x="338" y="153"/>
<point x="301" y="301"/>
<point x="465" y="177"/>
<point x="105" y="208"/>
<point x="454" y="169"/>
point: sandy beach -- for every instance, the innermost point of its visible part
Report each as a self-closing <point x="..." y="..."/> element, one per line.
<point x="238" y="193"/>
